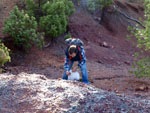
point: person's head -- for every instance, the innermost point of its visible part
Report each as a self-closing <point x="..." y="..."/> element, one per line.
<point x="72" y="50"/>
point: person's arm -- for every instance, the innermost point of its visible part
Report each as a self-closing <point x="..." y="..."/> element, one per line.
<point x="66" y="64"/>
<point x="83" y="58"/>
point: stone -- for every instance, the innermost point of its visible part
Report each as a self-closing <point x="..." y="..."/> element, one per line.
<point x="30" y="93"/>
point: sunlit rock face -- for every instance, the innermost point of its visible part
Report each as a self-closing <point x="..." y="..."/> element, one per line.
<point x="32" y="93"/>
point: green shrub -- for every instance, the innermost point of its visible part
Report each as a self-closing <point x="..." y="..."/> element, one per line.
<point x="4" y="55"/>
<point x="94" y="4"/>
<point x="58" y="7"/>
<point x="52" y="15"/>
<point x="22" y="28"/>
<point x="68" y="5"/>
<point x="53" y="25"/>
<point x="30" y="7"/>
<point x="55" y="21"/>
<point x="33" y="8"/>
<point x="105" y="3"/>
<point x="142" y="67"/>
<point x="52" y="7"/>
<point x="143" y="35"/>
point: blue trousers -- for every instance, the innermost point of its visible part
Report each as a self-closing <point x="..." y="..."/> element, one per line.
<point x="83" y="71"/>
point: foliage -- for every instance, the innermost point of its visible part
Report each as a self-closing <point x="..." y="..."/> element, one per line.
<point x="143" y="37"/>
<point x="94" y="4"/>
<point x="142" y="67"/>
<point x="105" y="3"/>
<point x="55" y="21"/>
<point x="33" y="8"/>
<point x="4" y="54"/>
<point x="59" y="7"/>
<point x="52" y="15"/>
<point x="30" y="7"/>
<point x="22" y="28"/>
<point x="53" y="25"/>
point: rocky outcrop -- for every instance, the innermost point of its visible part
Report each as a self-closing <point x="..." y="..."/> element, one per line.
<point x="30" y="93"/>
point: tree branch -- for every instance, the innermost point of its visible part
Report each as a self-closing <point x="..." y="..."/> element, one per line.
<point x="126" y="16"/>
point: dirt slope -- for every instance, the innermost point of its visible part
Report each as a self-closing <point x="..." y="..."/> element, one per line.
<point x="5" y="7"/>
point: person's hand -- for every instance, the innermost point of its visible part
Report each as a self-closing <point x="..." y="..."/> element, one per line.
<point x="74" y="69"/>
<point x="68" y="73"/>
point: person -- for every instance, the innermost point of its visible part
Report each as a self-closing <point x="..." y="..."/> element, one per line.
<point x="75" y="52"/>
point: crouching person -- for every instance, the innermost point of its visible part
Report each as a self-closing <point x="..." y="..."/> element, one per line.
<point x="75" y="53"/>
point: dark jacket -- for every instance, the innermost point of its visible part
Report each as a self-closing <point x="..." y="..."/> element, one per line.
<point x="80" y="57"/>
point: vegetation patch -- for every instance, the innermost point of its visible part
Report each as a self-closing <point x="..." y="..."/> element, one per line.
<point x="39" y="18"/>
<point x="142" y="67"/>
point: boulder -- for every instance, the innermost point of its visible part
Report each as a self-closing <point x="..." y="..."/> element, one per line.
<point x="34" y="93"/>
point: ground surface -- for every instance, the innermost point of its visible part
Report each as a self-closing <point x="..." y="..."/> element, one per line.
<point x="109" y="53"/>
<point x="34" y="93"/>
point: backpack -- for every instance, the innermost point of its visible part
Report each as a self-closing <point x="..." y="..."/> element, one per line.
<point x="74" y="41"/>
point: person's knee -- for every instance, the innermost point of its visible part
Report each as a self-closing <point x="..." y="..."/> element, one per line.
<point x="83" y="67"/>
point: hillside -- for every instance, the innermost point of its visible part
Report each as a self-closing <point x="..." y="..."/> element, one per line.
<point x="109" y="53"/>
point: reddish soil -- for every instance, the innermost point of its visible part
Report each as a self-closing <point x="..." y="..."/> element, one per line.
<point x="109" y="53"/>
<point x="5" y="7"/>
